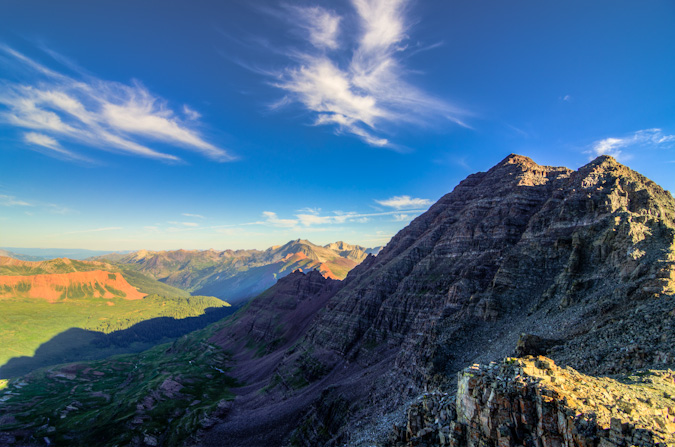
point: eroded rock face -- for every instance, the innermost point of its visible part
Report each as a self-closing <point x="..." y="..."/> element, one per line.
<point x="533" y="402"/>
<point x="520" y="248"/>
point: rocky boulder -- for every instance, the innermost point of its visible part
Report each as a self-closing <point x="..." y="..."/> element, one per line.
<point x="533" y="402"/>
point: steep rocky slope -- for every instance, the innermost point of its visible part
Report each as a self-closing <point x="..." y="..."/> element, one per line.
<point x="236" y="275"/>
<point x="546" y="249"/>
<point x="279" y="315"/>
<point x="583" y="257"/>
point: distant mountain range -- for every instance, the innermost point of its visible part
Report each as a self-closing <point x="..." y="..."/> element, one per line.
<point x="41" y="254"/>
<point x="236" y="275"/>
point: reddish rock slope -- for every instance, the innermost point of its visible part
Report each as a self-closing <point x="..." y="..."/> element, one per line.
<point x="58" y="286"/>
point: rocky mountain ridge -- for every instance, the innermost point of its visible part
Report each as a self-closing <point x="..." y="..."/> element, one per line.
<point x="519" y="238"/>
<point x="571" y="256"/>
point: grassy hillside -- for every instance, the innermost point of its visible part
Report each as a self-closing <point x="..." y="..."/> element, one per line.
<point x="144" y="283"/>
<point x="26" y="324"/>
<point x="159" y="397"/>
<point x="65" y="310"/>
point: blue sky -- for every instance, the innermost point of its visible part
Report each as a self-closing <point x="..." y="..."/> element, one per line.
<point x="167" y="124"/>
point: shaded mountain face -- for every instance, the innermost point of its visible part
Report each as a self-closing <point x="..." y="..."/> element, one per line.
<point x="236" y="275"/>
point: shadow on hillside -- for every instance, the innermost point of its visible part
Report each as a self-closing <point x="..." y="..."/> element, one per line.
<point x="75" y="344"/>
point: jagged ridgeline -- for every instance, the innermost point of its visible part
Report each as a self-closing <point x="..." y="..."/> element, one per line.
<point x="583" y="260"/>
<point x="65" y="310"/>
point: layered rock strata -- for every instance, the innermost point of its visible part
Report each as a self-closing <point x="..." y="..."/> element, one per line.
<point x="521" y="240"/>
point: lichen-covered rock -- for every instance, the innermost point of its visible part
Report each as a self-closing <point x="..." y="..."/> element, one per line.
<point x="533" y="402"/>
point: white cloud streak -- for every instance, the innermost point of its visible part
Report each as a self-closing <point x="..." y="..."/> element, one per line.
<point x="48" y="142"/>
<point x="321" y="25"/>
<point x="404" y="202"/>
<point x="53" y="208"/>
<point x="272" y="219"/>
<point x="94" y="230"/>
<point x="368" y="92"/>
<point x="646" y="138"/>
<point x="198" y="216"/>
<point x="96" y="113"/>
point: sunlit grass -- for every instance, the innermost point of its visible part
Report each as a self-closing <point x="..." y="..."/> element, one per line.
<point x="25" y="324"/>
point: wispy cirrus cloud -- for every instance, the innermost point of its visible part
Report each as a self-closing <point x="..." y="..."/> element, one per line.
<point x="96" y="113"/>
<point x="94" y="230"/>
<point x="6" y="200"/>
<point x="616" y="147"/>
<point x="321" y="25"/>
<point x="52" y="208"/>
<point x="198" y="216"/>
<point x="45" y="141"/>
<point x="306" y="220"/>
<point x="184" y="224"/>
<point x="358" y="83"/>
<point x="59" y="209"/>
<point x="404" y="202"/>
